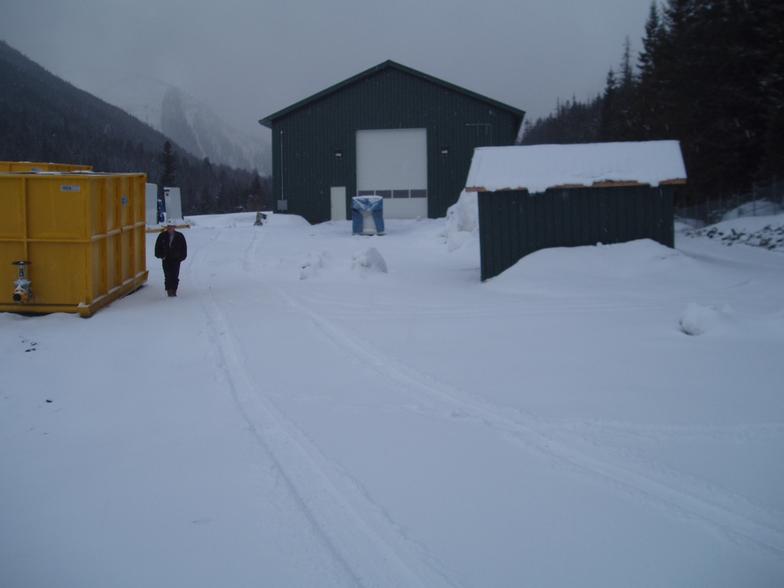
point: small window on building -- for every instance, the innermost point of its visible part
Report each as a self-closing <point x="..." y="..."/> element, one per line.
<point x="366" y="193"/>
<point x="418" y="193"/>
<point x="384" y="193"/>
<point x="399" y="193"/>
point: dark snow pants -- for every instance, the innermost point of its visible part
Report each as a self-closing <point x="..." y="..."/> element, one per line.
<point x="171" y="274"/>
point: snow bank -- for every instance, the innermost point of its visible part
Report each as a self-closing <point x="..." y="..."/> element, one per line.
<point x="538" y="167"/>
<point x="287" y="220"/>
<point x="312" y="263"/>
<point x="697" y="319"/>
<point x="241" y="219"/>
<point x="370" y="261"/>
<point x="222" y="221"/>
<point x="756" y="231"/>
<point x="593" y="263"/>
<point x="462" y="221"/>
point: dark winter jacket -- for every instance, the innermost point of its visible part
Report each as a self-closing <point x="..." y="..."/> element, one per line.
<point x="178" y="250"/>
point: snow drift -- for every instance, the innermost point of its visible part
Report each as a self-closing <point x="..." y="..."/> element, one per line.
<point x="462" y="221"/>
<point x="420" y="429"/>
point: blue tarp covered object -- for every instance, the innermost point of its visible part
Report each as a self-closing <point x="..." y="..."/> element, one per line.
<point x="364" y="210"/>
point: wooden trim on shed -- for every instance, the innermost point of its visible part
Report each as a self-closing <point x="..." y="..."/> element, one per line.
<point x="599" y="184"/>
<point x="617" y="184"/>
<point x="566" y="187"/>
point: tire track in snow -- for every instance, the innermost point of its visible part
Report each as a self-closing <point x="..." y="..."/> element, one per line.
<point x="594" y="439"/>
<point x="714" y="512"/>
<point x="347" y="309"/>
<point x="392" y="530"/>
<point x="195" y="255"/>
<point x="249" y="253"/>
<point x="735" y="433"/>
<point x="330" y="501"/>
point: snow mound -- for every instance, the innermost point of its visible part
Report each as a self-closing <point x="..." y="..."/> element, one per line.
<point x="618" y="261"/>
<point x="637" y="268"/>
<point x="312" y="264"/>
<point x="222" y="221"/>
<point x="286" y="220"/>
<point x="697" y="319"/>
<point x="757" y="231"/>
<point x="462" y="221"/>
<point x="370" y="261"/>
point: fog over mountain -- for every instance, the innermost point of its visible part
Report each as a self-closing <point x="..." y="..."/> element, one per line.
<point x="45" y="118"/>
<point x="188" y="121"/>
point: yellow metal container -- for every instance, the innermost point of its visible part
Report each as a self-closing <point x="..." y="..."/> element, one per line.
<point x="83" y="235"/>
<point x="36" y="166"/>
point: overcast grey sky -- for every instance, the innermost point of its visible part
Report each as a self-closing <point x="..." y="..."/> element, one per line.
<point x="248" y="59"/>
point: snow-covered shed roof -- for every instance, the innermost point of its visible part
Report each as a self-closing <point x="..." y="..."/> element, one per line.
<point x="538" y="167"/>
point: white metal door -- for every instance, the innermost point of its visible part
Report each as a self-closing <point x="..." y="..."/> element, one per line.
<point x="392" y="163"/>
<point x="337" y="195"/>
<point x="173" y="203"/>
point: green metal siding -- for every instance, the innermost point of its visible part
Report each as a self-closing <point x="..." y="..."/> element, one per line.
<point x="305" y="141"/>
<point x="513" y="224"/>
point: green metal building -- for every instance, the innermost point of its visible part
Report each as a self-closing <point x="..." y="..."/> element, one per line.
<point x="389" y="131"/>
<point x="514" y="223"/>
<point x="542" y="196"/>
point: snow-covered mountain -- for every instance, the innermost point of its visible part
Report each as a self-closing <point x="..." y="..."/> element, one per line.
<point x="189" y="122"/>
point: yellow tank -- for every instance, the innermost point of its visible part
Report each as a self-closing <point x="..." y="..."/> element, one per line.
<point x="82" y="234"/>
<point x="36" y="166"/>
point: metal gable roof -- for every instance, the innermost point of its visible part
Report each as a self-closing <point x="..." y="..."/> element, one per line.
<point x="389" y="64"/>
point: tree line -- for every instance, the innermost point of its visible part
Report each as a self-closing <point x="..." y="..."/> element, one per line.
<point x="207" y="188"/>
<point x="711" y="75"/>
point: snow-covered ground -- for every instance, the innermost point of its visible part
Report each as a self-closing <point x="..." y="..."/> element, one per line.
<point x="598" y="416"/>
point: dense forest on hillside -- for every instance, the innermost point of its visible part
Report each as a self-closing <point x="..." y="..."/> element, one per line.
<point x="711" y="75"/>
<point x="44" y="118"/>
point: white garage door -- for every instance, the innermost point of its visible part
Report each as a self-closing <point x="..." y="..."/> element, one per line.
<point x="393" y="163"/>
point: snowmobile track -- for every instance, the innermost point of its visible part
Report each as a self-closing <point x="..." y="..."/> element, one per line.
<point x="337" y="507"/>
<point x="681" y="497"/>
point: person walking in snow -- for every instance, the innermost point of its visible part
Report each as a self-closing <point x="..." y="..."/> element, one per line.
<point x="171" y="249"/>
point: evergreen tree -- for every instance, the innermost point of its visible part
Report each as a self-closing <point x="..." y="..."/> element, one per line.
<point x="651" y="43"/>
<point x="255" y="194"/>
<point x="607" y="124"/>
<point x="625" y="115"/>
<point x="649" y="123"/>
<point x="770" y="32"/>
<point x="168" y="165"/>
<point x="627" y="75"/>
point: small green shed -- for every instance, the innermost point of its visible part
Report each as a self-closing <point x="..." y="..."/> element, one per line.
<point x="540" y="196"/>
